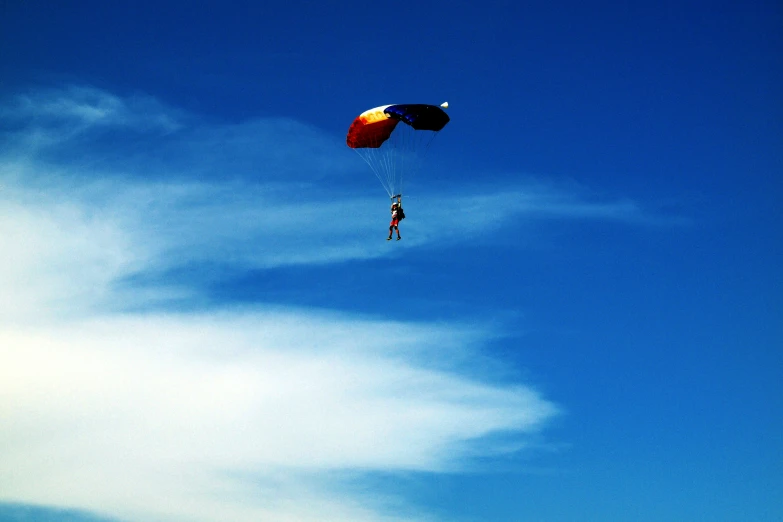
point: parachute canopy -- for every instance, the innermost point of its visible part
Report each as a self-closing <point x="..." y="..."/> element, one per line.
<point x="393" y="139"/>
<point x="372" y="128"/>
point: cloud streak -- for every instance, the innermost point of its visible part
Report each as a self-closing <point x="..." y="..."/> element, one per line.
<point x="81" y="108"/>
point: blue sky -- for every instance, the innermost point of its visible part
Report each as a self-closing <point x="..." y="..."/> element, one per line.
<point x="200" y="318"/>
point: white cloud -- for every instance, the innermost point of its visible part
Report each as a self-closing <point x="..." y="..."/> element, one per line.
<point x="110" y="413"/>
<point x="56" y="256"/>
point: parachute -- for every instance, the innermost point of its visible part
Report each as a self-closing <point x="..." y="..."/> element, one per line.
<point x="393" y="139"/>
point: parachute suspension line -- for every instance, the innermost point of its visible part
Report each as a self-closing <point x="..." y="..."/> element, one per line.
<point x="415" y="145"/>
<point x="410" y="151"/>
<point x="382" y="160"/>
<point x="402" y="156"/>
<point x="409" y="138"/>
<point x="379" y="159"/>
<point x="368" y="158"/>
<point x="399" y="159"/>
<point x="391" y="169"/>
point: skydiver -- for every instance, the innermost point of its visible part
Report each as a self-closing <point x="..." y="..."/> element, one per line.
<point x="397" y="214"/>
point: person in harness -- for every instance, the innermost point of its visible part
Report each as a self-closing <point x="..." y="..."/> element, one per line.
<point x="397" y="215"/>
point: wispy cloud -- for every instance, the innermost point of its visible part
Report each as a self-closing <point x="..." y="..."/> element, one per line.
<point x="82" y="107"/>
<point x="120" y="227"/>
<point x="271" y="192"/>
<point x="251" y="414"/>
<point x="110" y="413"/>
